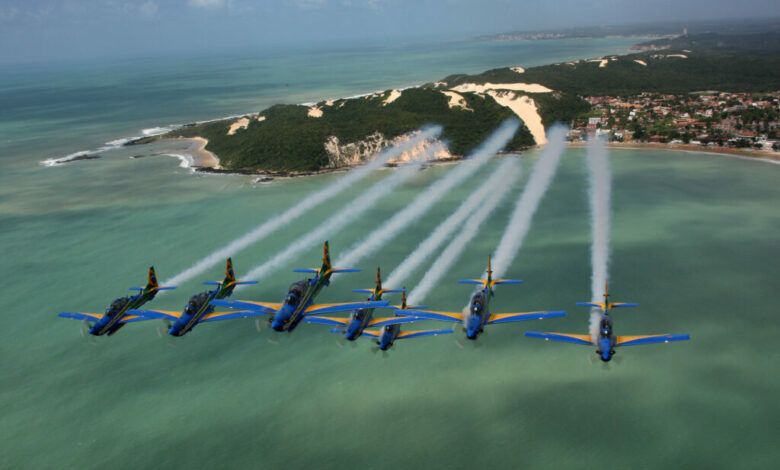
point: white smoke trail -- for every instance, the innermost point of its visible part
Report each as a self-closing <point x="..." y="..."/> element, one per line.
<point x="422" y="203"/>
<point x="600" y="194"/>
<point x="450" y="254"/>
<point x="308" y="203"/>
<point x="348" y="213"/>
<point x="502" y="178"/>
<point x="520" y="221"/>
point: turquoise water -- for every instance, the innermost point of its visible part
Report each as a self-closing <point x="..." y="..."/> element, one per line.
<point x="694" y="242"/>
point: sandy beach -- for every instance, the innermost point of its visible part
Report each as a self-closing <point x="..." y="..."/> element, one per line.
<point x="768" y="155"/>
<point x="200" y="156"/>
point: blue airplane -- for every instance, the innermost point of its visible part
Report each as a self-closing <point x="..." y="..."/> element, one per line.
<point x="386" y="336"/>
<point x="605" y="341"/>
<point x="117" y="314"/>
<point x="299" y="301"/>
<point x="363" y="317"/>
<point x="198" y="309"/>
<point x="478" y="315"/>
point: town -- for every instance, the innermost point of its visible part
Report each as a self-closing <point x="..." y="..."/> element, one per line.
<point x="707" y="118"/>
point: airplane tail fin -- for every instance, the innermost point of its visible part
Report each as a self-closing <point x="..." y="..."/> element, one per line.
<point x="606" y="306"/>
<point x="490" y="282"/>
<point x="327" y="268"/>
<point x="230" y="276"/>
<point x="151" y="283"/>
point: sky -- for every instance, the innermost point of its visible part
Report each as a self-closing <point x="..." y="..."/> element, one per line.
<point x="42" y="30"/>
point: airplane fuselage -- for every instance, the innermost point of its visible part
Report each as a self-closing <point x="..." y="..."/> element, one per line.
<point x="360" y="318"/>
<point x="300" y="296"/>
<point x="197" y="307"/>
<point x="606" y="341"/>
<point x="389" y="334"/>
<point x="478" y="313"/>
<point x="109" y="323"/>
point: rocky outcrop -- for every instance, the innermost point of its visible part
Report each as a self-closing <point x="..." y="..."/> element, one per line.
<point x="353" y="153"/>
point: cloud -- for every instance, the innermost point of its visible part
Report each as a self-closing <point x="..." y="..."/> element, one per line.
<point x="148" y="8"/>
<point x="308" y="4"/>
<point x="209" y="3"/>
<point x="8" y="13"/>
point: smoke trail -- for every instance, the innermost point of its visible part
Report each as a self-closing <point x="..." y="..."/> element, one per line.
<point x="456" y="247"/>
<point x="309" y="202"/>
<point x="599" y="193"/>
<point x="502" y="178"/>
<point x="422" y="203"/>
<point x="520" y="221"/>
<point x="348" y="213"/>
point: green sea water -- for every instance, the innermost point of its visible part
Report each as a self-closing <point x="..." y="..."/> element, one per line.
<point x="694" y="242"/>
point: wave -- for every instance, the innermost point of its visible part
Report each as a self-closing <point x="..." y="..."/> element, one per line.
<point x="160" y="130"/>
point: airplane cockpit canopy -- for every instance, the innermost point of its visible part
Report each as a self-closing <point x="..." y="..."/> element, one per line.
<point x="360" y="314"/>
<point x="477" y="304"/>
<point x="294" y="294"/>
<point x="606" y="327"/>
<point x="195" y="303"/>
<point x="116" y="306"/>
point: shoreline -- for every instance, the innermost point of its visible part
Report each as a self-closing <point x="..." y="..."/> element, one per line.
<point x="201" y="158"/>
<point x="769" y="156"/>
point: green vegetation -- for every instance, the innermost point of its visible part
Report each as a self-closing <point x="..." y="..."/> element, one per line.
<point x="289" y="140"/>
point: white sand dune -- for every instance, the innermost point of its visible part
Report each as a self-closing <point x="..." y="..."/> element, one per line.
<point x="394" y="95"/>
<point x="526" y="87"/>
<point x="682" y="56"/>
<point x="456" y="100"/>
<point x="602" y="62"/>
<point x="314" y="112"/>
<point x="525" y="108"/>
<point x="238" y="124"/>
<point x="517" y="69"/>
<point x="640" y="62"/>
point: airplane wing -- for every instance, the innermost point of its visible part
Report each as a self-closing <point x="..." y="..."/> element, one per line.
<point x="269" y="308"/>
<point x="415" y="334"/>
<point x="342" y="307"/>
<point x="216" y="316"/>
<point x="372" y="333"/>
<point x="509" y="317"/>
<point x="564" y="337"/>
<point x="326" y="320"/>
<point x="160" y="314"/>
<point x="433" y="315"/>
<point x="81" y="316"/>
<point x="132" y="318"/>
<point x="392" y="321"/>
<point x="647" y="339"/>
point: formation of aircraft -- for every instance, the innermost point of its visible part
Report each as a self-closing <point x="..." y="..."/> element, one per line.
<point x="478" y="314"/>
<point x="362" y="318"/>
<point x="117" y="313"/>
<point x="199" y="308"/>
<point x="298" y="306"/>
<point x="606" y="342"/>
<point x="299" y="301"/>
<point x="386" y="336"/>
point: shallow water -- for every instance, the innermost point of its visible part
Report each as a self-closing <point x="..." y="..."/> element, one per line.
<point x="694" y="241"/>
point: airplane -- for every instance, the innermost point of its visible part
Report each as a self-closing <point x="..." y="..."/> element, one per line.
<point x="478" y="315"/>
<point x="198" y="308"/>
<point x="117" y="314"/>
<point x="605" y="341"/>
<point x="361" y="318"/>
<point x="299" y="301"/>
<point x="387" y="335"/>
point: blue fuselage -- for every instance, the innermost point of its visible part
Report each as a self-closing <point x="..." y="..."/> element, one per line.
<point x="299" y="297"/>
<point x="389" y="334"/>
<point x="478" y="313"/>
<point x="606" y="342"/>
<point x="360" y="319"/>
<point x="197" y="307"/>
<point x="109" y="323"/>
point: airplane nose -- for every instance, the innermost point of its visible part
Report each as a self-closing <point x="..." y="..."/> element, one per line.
<point x="277" y="326"/>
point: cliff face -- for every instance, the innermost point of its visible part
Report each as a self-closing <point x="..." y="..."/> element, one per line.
<point x="340" y="155"/>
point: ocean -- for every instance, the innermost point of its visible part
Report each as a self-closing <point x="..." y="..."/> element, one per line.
<point x="693" y="241"/>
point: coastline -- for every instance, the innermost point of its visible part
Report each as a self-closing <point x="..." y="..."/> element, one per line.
<point x="769" y="156"/>
<point x="201" y="158"/>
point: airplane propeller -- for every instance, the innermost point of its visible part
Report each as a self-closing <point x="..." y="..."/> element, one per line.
<point x="374" y="349"/>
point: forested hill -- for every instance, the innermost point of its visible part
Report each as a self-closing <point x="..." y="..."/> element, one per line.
<point x="294" y="138"/>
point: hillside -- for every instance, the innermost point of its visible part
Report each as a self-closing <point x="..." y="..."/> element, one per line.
<point x="296" y="138"/>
